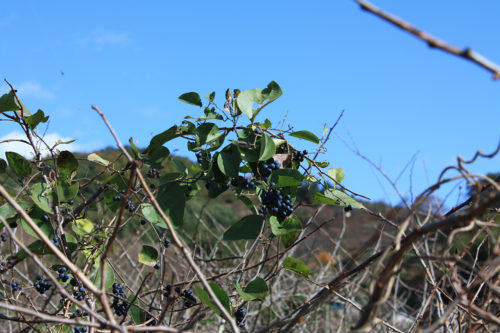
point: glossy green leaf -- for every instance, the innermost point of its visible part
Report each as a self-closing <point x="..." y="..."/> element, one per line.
<point x="157" y="157"/>
<point x="247" y="228"/>
<point x="229" y="161"/>
<point x="8" y="102"/>
<point x="210" y="96"/>
<point x="305" y="135"/>
<point x="207" y="132"/>
<point x="149" y="212"/>
<point x="159" y="139"/>
<point x="219" y="292"/>
<point x="337" y="174"/>
<point x="286" y="177"/>
<point x="297" y="266"/>
<point x="83" y="227"/>
<point x="172" y="200"/>
<point x="3" y="165"/>
<point x="267" y="148"/>
<point x="66" y="162"/>
<point x="110" y="277"/>
<point x="290" y="225"/>
<point x="246" y="200"/>
<point x="257" y="289"/>
<point x="191" y="98"/>
<point x="7" y="211"/>
<point x="138" y="316"/>
<point x="18" y="164"/>
<point x="148" y="255"/>
<point x="42" y="196"/>
<point x="35" y="119"/>
<point x="37" y="215"/>
<point x="337" y="198"/>
<point x="66" y="190"/>
<point x="261" y="97"/>
<point x="97" y="159"/>
<point x="110" y="201"/>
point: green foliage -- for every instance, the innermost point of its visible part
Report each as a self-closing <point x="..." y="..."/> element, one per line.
<point x="255" y="290"/>
<point x="297" y="266"/>
<point x="77" y="200"/>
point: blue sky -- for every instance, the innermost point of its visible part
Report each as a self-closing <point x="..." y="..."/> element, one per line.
<point x="133" y="59"/>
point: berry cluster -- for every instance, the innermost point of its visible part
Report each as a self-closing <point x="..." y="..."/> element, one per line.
<point x="42" y="284"/>
<point x="65" y="210"/>
<point x="63" y="274"/>
<point x="299" y="155"/>
<point x="119" y="307"/>
<point x="247" y="183"/>
<point x="79" y="293"/>
<point x="77" y="313"/>
<point x="55" y="241"/>
<point x="79" y="329"/>
<point x="153" y="322"/>
<point x="166" y="242"/>
<point x="275" y="203"/>
<point x="189" y="299"/>
<point x="117" y="198"/>
<point x="153" y="173"/>
<point x="3" y="236"/>
<point x="268" y="168"/>
<point x="240" y="315"/>
<point x="130" y="206"/>
<point x="15" y="285"/>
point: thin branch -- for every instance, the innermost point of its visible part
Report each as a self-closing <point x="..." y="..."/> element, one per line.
<point x="432" y="41"/>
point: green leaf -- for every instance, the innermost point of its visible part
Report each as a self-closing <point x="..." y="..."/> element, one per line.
<point x="246" y="200"/>
<point x="337" y="174"/>
<point x="210" y="96"/>
<point x="288" y="239"/>
<point x="247" y="228"/>
<point x="35" y="119"/>
<point x="18" y="164"/>
<point x="191" y="98"/>
<point x="110" y="277"/>
<point x="97" y="159"/>
<point x="66" y="190"/>
<point x="257" y="289"/>
<point x="305" y="135"/>
<point x="261" y="97"/>
<point x="157" y="157"/>
<point x="7" y="211"/>
<point x="66" y="162"/>
<point x="138" y="315"/>
<point x="148" y="255"/>
<point x="297" y="266"/>
<point x="134" y="147"/>
<point x="8" y="102"/>
<point x="207" y="132"/>
<point x="219" y="292"/>
<point x="159" y="139"/>
<point x="3" y="165"/>
<point x="149" y="212"/>
<point x="290" y="225"/>
<point x="42" y="196"/>
<point x="172" y="200"/>
<point x="337" y="198"/>
<point x="267" y="148"/>
<point x="37" y="215"/>
<point x="286" y="177"/>
<point x="83" y="227"/>
<point x="228" y="161"/>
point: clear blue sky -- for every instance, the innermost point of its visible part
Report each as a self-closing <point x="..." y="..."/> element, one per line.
<point x="133" y="59"/>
